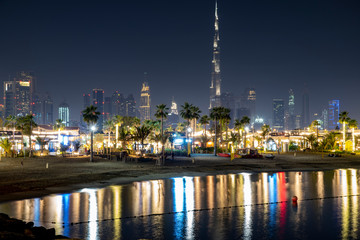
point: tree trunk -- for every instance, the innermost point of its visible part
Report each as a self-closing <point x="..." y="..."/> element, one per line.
<point x="92" y="147"/>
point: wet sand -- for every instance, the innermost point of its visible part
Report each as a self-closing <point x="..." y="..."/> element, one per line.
<point x="35" y="177"/>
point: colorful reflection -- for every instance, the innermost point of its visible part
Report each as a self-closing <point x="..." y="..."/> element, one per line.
<point x="199" y="207"/>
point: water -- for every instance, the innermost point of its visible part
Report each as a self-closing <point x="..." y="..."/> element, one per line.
<point x="233" y="206"/>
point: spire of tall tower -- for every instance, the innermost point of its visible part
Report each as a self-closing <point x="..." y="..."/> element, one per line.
<point x="215" y="86"/>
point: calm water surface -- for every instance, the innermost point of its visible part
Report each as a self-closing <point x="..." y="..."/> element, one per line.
<point x="233" y="206"/>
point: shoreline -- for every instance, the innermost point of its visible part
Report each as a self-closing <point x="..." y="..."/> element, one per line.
<point x="30" y="178"/>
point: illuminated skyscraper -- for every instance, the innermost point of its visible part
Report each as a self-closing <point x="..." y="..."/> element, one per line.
<point x="278" y="114"/>
<point x="145" y="108"/>
<point x="42" y="109"/>
<point x="107" y="108"/>
<point x="290" y="116"/>
<point x="117" y="104"/>
<point x="130" y="106"/>
<point x="64" y="114"/>
<point x="18" y="94"/>
<point x="98" y="101"/>
<point x="334" y="110"/>
<point x="251" y="102"/>
<point x="215" y="86"/>
<point x="173" y="117"/>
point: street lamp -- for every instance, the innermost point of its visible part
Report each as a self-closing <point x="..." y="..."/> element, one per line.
<point x="92" y="130"/>
<point x="188" y="144"/>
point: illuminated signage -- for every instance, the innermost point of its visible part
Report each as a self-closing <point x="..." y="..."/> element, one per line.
<point x="24" y="84"/>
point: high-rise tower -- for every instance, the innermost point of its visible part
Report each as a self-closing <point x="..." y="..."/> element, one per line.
<point x="215" y="86"/>
<point x="64" y="114"/>
<point x="145" y="100"/>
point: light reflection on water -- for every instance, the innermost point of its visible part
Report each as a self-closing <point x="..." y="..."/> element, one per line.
<point x="198" y="208"/>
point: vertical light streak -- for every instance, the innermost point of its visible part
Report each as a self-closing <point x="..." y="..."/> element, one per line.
<point x="178" y="191"/>
<point x="247" y="203"/>
<point x="354" y="202"/>
<point x="345" y="205"/>
<point x="116" y="192"/>
<point x="190" y="205"/>
<point x="92" y="209"/>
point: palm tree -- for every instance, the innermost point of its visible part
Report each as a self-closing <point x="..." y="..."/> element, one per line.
<point x="226" y="120"/>
<point x="29" y="125"/>
<point x="10" y="121"/>
<point x="238" y="125"/>
<point x="91" y="116"/>
<point x="59" y="125"/>
<point x="42" y="142"/>
<point x="312" y="140"/>
<point x="186" y="113"/>
<point x="245" y="121"/>
<point x="344" y="119"/>
<point x="6" y="145"/>
<point x="329" y="141"/>
<point x="215" y="114"/>
<point x="164" y="139"/>
<point x="162" y="112"/>
<point x="353" y="124"/>
<point x="195" y="112"/>
<point x="124" y="136"/>
<point x="20" y="126"/>
<point x="315" y="124"/>
<point x="155" y="125"/>
<point x="233" y="138"/>
<point x="180" y="127"/>
<point x="265" y="131"/>
<point x="204" y="120"/>
<point x="140" y="134"/>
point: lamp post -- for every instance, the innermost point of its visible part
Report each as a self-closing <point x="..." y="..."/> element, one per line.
<point x="92" y="129"/>
<point x="188" y="145"/>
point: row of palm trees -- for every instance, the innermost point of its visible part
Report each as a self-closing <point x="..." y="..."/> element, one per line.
<point x="130" y="127"/>
<point x="329" y="140"/>
<point x="25" y="125"/>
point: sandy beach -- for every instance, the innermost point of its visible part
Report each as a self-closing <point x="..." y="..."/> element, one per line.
<point x="34" y="177"/>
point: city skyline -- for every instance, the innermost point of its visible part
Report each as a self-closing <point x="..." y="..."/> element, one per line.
<point x="298" y="44"/>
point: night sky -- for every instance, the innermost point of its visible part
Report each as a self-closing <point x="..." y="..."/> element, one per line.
<point x="75" y="46"/>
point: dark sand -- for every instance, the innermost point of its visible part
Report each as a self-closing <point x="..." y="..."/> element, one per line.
<point x="29" y="177"/>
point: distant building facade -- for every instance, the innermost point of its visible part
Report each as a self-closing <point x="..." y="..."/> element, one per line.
<point x="145" y="102"/>
<point x="173" y="117"/>
<point x="290" y="117"/>
<point x="64" y="114"/>
<point x="334" y="110"/>
<point x="18" y="94"/>
<point x="107" y="108"/>
<point x="215" y="85"/>
<point x="130" y="106"/>
<point x="42" y="109"/>
<point x="278" y="114"/>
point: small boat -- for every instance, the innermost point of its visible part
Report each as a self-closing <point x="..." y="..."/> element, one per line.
<point x="223" y="155"/>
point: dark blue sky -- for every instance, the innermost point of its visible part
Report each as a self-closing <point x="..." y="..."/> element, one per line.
<point x="75" y="46"/>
